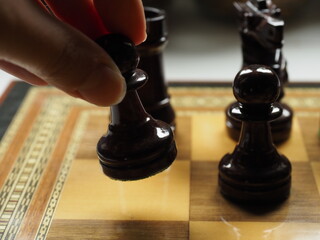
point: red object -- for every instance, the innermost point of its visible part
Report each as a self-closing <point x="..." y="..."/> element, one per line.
<point x="83" y="17"/>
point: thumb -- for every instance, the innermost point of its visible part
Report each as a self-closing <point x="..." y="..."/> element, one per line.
<point x="58" y="54"/>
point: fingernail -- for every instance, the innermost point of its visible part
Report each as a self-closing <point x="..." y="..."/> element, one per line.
<point x="145" y="37"/>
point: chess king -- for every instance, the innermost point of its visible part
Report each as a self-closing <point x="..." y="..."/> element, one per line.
<point x="261" y="31"/>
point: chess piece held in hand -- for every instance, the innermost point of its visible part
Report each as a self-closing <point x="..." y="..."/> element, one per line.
<point x="136" y="145"/>
<point x="255" y="171"/>
<point x="261" y="31"/>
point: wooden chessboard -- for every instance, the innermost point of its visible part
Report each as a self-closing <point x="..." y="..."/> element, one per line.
<point x="52" y="186"/>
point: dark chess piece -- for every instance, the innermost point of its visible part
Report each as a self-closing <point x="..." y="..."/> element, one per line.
<point x="163" y="4"/>
<point x="261" y="31"/>
<point x="136" y="145"/>
<point x="154" y="95"/>
<point x="255" y="171"/>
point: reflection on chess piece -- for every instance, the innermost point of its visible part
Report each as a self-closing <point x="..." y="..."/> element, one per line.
<point x="261" y="30"/>
<point x="154" y="95"/>
<point x="135" y="146"/>
<point x="255" y="171"/>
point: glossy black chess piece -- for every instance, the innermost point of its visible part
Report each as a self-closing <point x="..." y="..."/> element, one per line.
<point x="255" y="171"/>
<point x="261" y="31"/>
<point x="163" y="4"/>
<point x="136" y="145"/>
<point x="154" y="94"/>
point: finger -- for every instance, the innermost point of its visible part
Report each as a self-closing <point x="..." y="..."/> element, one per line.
<point x="21" y="73"/>
<point x="28" y="77"/>
<point x="123" y="16"/>
<point x="58" y="54"/>
<point x="80" y="14"/>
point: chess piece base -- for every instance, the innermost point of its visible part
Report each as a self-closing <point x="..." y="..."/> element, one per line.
<point x="140" y="171"/>
<point x="280" y="128"/>
<point x="136" y="152"/>
<point x="265" y="185"/>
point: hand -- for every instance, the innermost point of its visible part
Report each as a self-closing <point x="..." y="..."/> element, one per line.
<point x="40" y="49"/>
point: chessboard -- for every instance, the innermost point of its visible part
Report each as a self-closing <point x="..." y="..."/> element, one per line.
<point x="52" y="186"/>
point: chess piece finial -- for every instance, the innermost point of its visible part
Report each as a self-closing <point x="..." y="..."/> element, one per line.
<point x="261" y="31"/>
<point x="154" y="94"/>
<point x="135" y="146"/>
<point x="255" y="171"/>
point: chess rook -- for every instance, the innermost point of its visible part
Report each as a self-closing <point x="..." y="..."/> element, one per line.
<point x="261" y="31"/>
<point x="255" y="171"/>
<point x="154" y="95"/>
<point x="136" y="145"/>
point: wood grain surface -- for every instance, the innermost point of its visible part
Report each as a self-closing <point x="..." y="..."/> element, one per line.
<point x="52" y="186"/>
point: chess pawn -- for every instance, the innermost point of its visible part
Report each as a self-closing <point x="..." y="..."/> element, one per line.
<point x="261" y="31"/>
<point x="154" y="95"/>
<point x="255" y="171"/>
<point x="135" y="146"/>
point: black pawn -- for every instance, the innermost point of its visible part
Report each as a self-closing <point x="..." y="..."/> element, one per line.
<point x="135" y="146"/>
<point x="154" y="95"/>
<point x="255" y="171"/>
<point x="261" y="31"/>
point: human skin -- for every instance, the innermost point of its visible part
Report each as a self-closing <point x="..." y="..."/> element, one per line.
<point x="59" y="50"/>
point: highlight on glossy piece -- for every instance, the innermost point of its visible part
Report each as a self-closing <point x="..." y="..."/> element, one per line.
<point x="255" y="172"/>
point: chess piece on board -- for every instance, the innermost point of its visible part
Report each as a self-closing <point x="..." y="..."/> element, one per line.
<point x="255" y="171"/>
<point x="154" y="94"/>
<point x="136" y="145"/>
<point x="261" y="31"/>
<point x="163" y="4"/>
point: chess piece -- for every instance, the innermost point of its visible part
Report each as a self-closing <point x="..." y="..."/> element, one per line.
<point x="154" y="95"/>
<point x="135" y="146"/>
<point x="261" y="33"/>
<point x="222" y="9"/>
<point x="163" y="4"/>
<point x="255" y="171"/>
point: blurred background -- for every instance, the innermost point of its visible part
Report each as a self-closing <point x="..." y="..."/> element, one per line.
<point x="204" y="44"/>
